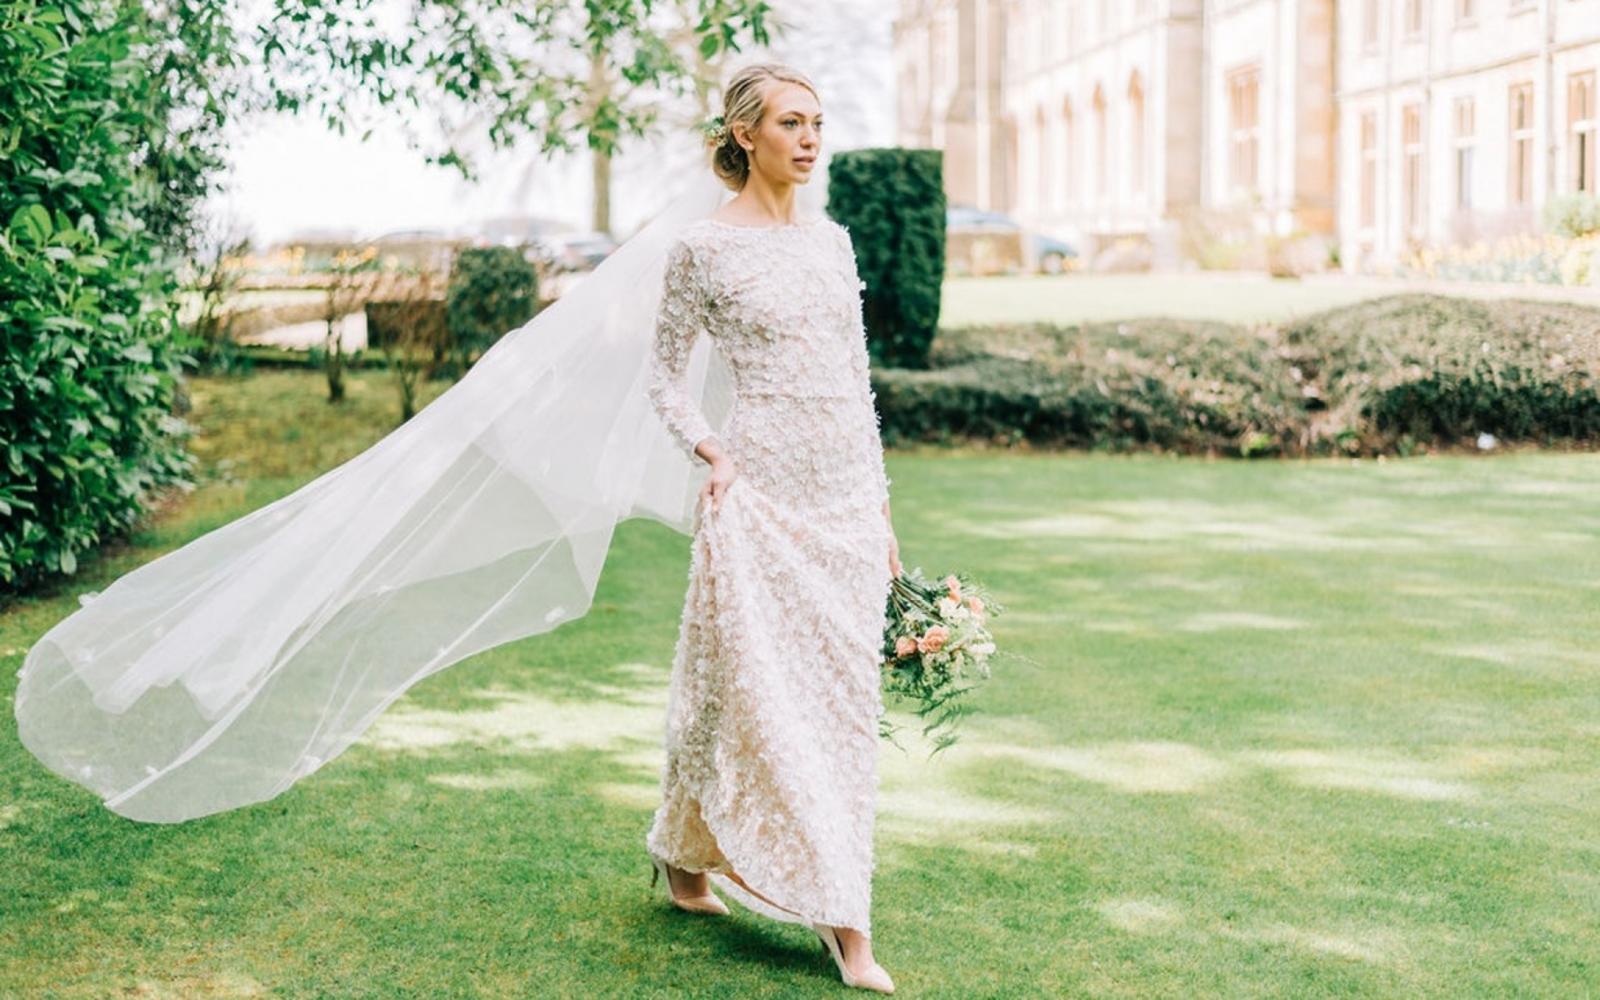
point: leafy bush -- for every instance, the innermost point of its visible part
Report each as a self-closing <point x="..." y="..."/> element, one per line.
<point x="892" y="201"/>
<point x="1410" y="369"/>
<point x="1572" y="215"/>
<point x="1168" y="384"/>
<point x="93" y="188"/>
<point x="492" y="291"/>
<point x="1390" y="375"/>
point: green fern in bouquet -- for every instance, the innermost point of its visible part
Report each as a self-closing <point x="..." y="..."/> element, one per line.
<point x="936" y="649"/>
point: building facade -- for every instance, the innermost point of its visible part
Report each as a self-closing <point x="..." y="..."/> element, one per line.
<point x="1270" y="116"/>
<point x="1460" y="118"/>
<point x="1103" y="106"/>
<point x="1381" y="124"/>
<point x="948" y="60"/>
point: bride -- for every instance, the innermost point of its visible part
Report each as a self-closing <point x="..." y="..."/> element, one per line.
<point x="771" y="776"/>
<point x="224" y="672"/>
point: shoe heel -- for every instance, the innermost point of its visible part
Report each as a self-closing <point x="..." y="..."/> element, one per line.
<point x="830" y="942"/>
<point x="708" y="903"/>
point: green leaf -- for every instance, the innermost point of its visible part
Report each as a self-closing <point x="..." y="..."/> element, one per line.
<point x="32" y="222"/>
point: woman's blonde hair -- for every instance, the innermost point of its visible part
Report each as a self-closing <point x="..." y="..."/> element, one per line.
<point x="744" y="101"/>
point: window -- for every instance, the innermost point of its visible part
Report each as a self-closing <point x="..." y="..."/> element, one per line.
<point x="1244" y="115"/>
<point x="1466" y="10"/>
<point x="1371" y="15"/>
<point x="1069" y="145"/>
<point x="1041" y="150"/>
<point x="1136" y="164"/>
<point x="1520" y="168"/>
<point x="1412" y="177"/>
<point x="1102" y="164"/>
<point x="1414" y="13"/>
<point x="1582" y="122"/>
<point x="1465" y="139"/>
<point x="1369" y="169"/>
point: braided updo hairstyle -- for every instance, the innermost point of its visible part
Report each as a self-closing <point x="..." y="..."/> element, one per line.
<point x="744" y="101"/>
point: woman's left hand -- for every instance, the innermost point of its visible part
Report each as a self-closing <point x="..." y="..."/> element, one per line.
<point x="894" y="554"/>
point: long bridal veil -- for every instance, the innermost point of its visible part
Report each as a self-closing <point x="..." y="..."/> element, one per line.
<point x="221" y="673"/>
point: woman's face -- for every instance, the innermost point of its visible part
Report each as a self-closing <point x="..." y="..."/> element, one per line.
<point x="783" y="148"/>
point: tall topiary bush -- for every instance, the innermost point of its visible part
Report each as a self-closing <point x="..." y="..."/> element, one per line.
<point x="492" y="291"/>
<point x="96" y="182"/>
<point x="892" y="201"/>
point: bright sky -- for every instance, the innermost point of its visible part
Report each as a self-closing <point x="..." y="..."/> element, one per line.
<point x="290" y="176"/>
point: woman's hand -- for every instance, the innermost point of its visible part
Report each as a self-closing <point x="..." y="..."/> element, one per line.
<point x="894" y="543"/>
<point x="723" y="473"/>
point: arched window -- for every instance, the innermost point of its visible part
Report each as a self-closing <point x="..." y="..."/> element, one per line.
<point x="1102" y="149"/>
<point x="1041" y="150"/>
<point x="1137" y="167"/>
<point x="1069" y="151"/>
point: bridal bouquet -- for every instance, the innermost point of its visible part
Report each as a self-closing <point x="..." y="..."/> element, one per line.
<point x="936" y="646"/>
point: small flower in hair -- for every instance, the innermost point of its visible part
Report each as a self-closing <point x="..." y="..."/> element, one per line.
<point x="716" y="132"/>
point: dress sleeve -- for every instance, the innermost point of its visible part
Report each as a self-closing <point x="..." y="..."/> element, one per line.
<point x="847" y="251"/>
<point x="679" y="320"/>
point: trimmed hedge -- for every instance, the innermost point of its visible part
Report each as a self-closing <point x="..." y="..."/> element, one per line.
<point x="1399" y="372"/>
<point x="892" y="202"/>
<point x="1163" y="384"/>
<point x="1391" y="375"/>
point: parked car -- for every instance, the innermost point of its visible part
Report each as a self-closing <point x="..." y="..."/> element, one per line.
<point x="585" y="251"/>
<point x="986" y="241"/>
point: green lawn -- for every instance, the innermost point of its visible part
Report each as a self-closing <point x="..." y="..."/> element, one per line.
<point x="1279" y="729"/>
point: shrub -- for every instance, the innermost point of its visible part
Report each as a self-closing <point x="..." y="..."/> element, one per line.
<point x="893" y="204"/>
<point x="1169" y="384"/>
<point x="1572" y="215"/>
<point x="95" y="186"/>
<point x="492" y="291"/>
<point x="1387" y="376"/>
<point x="1411" y="369"/>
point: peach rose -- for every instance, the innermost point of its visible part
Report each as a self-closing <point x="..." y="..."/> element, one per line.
<point x="954" y="585"/>
<point x="933" y="640"/>
<point x="905" y="646"/>
<point x="976" y="604"/>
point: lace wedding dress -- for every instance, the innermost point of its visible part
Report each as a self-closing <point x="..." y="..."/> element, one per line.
<point x="772" y="728"/>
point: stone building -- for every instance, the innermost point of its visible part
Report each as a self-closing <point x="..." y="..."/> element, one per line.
<point x="1104" y="120"/>
<point x="1270" y="118"/>
<point x="1460" y="118"/>
<point x="948" y="60"/>
<point x="1382" y="124"/>
<point x="1104" y="112"/>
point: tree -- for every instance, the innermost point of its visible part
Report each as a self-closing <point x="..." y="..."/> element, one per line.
<point x="563" y="72"/>
<point x="406" y="320"/>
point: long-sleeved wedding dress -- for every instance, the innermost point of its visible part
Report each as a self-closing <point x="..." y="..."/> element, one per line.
<point x="772" y="727"/>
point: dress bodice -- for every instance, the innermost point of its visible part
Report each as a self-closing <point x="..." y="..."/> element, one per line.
<point x="782" y="305"/>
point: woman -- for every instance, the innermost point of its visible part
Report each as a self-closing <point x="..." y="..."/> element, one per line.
<point x="226" y="671"/>
<point x="770" y="783"/>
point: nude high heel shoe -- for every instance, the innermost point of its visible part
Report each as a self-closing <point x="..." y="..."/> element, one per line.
<point x="874" y="979"/>
<point x="693" y="904"/>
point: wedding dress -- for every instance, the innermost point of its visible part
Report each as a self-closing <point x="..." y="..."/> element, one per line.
<point x="772" y="729"/>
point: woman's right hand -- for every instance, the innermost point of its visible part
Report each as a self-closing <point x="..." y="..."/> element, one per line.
<point x="723" y="473"/>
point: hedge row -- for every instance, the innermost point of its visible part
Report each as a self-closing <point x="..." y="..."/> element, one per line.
<point x="1388" y="376"/>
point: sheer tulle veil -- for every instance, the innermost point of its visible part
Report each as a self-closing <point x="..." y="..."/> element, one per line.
<point x="221" y="673"/>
